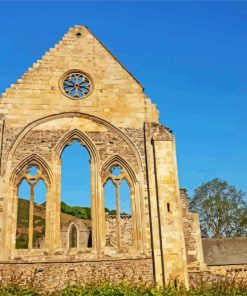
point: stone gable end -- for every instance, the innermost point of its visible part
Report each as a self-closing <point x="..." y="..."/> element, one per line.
<point x="46" y="111"/>
<point x="116" y="97"/>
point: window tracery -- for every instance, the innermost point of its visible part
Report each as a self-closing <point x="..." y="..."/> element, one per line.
<point x="121" y="224"/>
<point x="76" y="84"/>
<point x="30" y="232"/>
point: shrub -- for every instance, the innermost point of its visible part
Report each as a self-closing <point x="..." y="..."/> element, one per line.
<point x="126" y="289"/>
<point x="11" y="291"/>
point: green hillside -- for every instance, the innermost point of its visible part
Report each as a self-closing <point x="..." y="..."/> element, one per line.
<point x="76" y="211"/>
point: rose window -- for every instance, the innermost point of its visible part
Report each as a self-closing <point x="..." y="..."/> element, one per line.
<point x="76" y="85"/>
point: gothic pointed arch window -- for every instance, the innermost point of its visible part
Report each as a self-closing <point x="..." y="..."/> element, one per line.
<point x="75" y="195"/>
<point x="31" y="209"/>
<point x="118" y="208"/>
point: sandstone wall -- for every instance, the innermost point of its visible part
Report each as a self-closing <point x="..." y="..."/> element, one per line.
<point x="48" y="277"/>
<point x="1" y="181"/>
<point x="213" y="274"/>
<point x="44" y="139"/>
<point x="117" y="96"/>
<point x="118" y="125"/>
<point x="192" y="233"/>
<point x="83" y="227"/>
<point x="165" y="205"/>
<point x="117" y="99"/>
<point x="126" y="230"/>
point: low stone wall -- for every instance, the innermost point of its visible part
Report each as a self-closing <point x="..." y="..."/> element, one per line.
<point x="126" y="223"/>
<point x="213" y="274"/>
<point x="52" y="276"/>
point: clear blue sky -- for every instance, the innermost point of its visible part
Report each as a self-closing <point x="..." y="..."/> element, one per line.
<point x="191" y="58"/>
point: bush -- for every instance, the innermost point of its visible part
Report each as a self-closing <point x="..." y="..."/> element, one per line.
<point x="17" y="292"/>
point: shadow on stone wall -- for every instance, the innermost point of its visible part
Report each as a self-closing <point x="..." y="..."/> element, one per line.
<point x="225" y="251"/>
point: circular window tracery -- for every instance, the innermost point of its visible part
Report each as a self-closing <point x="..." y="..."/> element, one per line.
<point x="76" y="84"/>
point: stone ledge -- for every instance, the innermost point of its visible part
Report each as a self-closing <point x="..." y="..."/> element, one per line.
<point x="13" y="261"/>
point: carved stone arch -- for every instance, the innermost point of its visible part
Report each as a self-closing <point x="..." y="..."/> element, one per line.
<point x="78" y="135"/>
<point x="118" y="160"/>
<point x="36" y="160"/>
<point x="48" y="118"/>
<point x="129" y="175"/>
<point x="17" y="175"/>
<point x="85" y="141"/>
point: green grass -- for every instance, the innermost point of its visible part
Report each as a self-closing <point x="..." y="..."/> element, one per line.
<point x="125" y="289"/>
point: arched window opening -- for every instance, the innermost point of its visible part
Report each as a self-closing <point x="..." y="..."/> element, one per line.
<point x="119" y="221"/>
<point x="31" y="213"/>
<point x="75" y="195"/>
<point x="110" y="213"/>
<point x="126" y="214"/>
<point x="39" y="215"/>
<point x="23" y="215"/>
<point x="125" y="201"/>
<point x="73" y="237"/>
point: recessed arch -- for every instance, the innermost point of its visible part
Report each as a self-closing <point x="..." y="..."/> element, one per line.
<point x="79" y="136"/>
<point x="89" y="204"/>
<point x="32" y="171"/>
<point x="75" y="178"/>
<point x="75" y="134"/>
<point x="122" y="227"/>
<point x="39" y="121"/>
<point x="115" y="161"/>
<point x="73" y="236"/>
<point x="32" y="160"/>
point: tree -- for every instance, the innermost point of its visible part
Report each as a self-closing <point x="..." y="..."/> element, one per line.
<point x="221" y="208"/>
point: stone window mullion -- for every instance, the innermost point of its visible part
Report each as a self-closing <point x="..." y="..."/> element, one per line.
<point x="118" y="213"/>
<point x="31" y="212"/>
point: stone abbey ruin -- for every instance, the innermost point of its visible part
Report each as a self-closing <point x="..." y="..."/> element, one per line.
<point x="80" y="92"/>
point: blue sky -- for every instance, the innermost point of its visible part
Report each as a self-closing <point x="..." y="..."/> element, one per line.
<point x="190" y="57"/>
<point x="75" y="179"/>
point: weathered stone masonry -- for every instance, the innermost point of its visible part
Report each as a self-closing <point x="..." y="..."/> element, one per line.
<point x="50" y="276"/>
<point x="119" y="126"/>
<point x="79" y="91"/>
